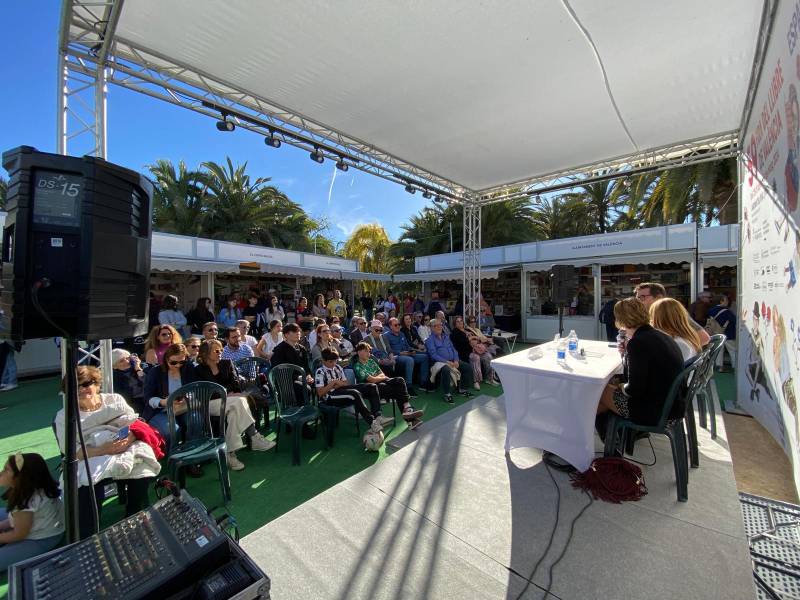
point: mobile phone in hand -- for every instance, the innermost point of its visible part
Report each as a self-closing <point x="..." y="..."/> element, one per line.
<point x="122" y="434"/>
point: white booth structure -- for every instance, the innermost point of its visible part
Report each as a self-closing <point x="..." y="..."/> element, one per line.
<point x="686" y="259"/>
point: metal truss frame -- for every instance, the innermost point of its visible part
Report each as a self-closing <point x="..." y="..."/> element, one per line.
<point x="472" y="259"/>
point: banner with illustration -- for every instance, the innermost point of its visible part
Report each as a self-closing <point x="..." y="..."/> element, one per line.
<point x="769" y="310"/>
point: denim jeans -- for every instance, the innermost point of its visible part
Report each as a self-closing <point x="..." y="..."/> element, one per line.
<point x="17" y="551"/>
<point x="9" y="376"/>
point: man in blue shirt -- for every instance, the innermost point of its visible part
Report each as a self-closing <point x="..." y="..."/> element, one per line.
<point x="444" y="358"/>
<point x="723" y="315"/>
<point x="406" y="356"/>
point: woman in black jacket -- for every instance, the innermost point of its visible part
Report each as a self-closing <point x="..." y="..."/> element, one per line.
<point x="200" y="315"/>
<point x="654" y="362"/>
<point x="160" y="381"/>
<point x="238" y="418"/>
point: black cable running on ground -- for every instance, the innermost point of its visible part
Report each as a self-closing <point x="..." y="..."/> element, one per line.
<point x="633" y="460"/>
<point x="44" y="282"/>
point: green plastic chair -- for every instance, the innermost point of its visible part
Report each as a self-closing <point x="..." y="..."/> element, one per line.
<point x="196" y="443"/>
<point x="249" y="369"/>
<point x="291" y="410"/>
<point x="705" y="399"/>
<point x="617" y="428"/>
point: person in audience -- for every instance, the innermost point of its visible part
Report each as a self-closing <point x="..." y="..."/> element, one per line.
<point x="649" y="292"/>
<point x="200" y="315"/>
<point x="409" y="330"/>
<point x="341" y="343"/>
<point x="698" y="309"/>
<point x="170" y="315"/>
<point x="193" y="349"/>
<point x="290" y="351"/>
<point x="320" y="308"/>
<point x="381" y="351"/>
<point x="390" y="304"/>
<point x="381" y="318"/>
<point x="337" y="307"/>
<point x="275" y="310"/>
<point x="434" y="306"/>
<point x="367" y="305"/>
<point x="488" y="342"/>
<point x="235" y="349"/>
<point x="230" y="313"/>
<point x="252" y="314"/>
<point x="654" y="362"/>
<point x="32" y="522"/>
<point x="161" y="337"/>
<point x="333" y="388"/>
<point x="726" y="318"/>
<point x="270" y="339"/>
<point x="440" y="316"/>
<point x="424" y="328"/>
<point x="408" y="304"/>
<point x="210" y="331"/>
<point x="481" y="360"/>
<point x="128" y="378"/>
<point x="419" y="304"/>
<point x="464" y="349"/>
<point x="324" y="340"/>
<point x="669" y="315"/>
<point x="407" y="357"/>
<point x="358" y="330"/>
<point x="311" y="338"/>
<point x="606" y="317"/>
<point x="238" y="418"/>
<point x="445" y="361"/>
<point x="304" y="315"/>
<point x="389" y="388"/>
<point x="174" y="371"/>
<point x="379" y="302"/>
<point x="131" y="462"/>
<point x="244" y="327"/>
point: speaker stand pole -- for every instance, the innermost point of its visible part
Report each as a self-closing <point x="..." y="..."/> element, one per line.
<point x="71" y="416"/>
<point x="561" y="320"/>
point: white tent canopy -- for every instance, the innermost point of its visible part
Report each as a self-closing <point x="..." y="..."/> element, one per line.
<point x="474" y="95"/>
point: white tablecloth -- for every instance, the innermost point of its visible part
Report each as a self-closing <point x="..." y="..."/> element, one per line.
<point x="552" y="406"/>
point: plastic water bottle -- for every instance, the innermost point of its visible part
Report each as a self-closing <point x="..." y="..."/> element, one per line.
<point x="561" y="349"/>
<point x="572" y="342"/>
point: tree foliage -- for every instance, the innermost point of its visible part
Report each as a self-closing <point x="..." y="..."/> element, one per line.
<point x="369" y="245"/>
<point x="3" y="192"/>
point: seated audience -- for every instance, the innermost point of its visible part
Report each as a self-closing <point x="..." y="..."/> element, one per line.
<point x="244" y="327"/>
<point x="424" y="328"/>
<point x="131" y="462"/>
<point x="210" y="331"/>
<point x="445" y="359"/>
<point x="128" y="378"/>
<point x="669" y="315"/>
<point x="464" y="349"/>
<point x="270" y="339"/>
<point x="235" y="349"/>
<point x="274" y="311"/>
<point x="324" y="340"/>
<point x="409" y="330"/>
<point x="200" y="315"/>
<point x="230" y="313"/>
<point x="440" y="316"/>
<point x="406" y="356"/>
<point x="290" y="351"/>
<point x="381" y="351"/>
<point x="32" y="522"/>
<point x="170" y="315"/>
<point x="342" y="344"/>
<point x="472" y="327"/>
<point x="193" y="349"/>
<point x="654" y="362"/>
<point x="359" y="332"/>
<point x="238" y="418"/>
<point x="381" y="318"/>
<point x="160" y="381"/>
<point x="389" y="388"/>
<point x="649" y="292"/>
<point x="726" y="318"/>
<point x="160" y="338"/>
<point x="481" y="360"/>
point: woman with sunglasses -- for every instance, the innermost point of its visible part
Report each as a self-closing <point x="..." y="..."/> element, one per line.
<point x="238" y="418"/>
<point x="161" y="337"/>
<point x="323" y="340"/>
<point x="174" y="371"/>
<point x="111" y="452"/>
<point x="193" y="349"/>
<point x="472" y="327"/>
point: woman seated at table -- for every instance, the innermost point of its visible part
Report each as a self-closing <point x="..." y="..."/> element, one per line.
<point x="127" y="460"/>
<point x="669" y="315"/>
<point x="238" y="418"/>
<point x="654" y="361"/>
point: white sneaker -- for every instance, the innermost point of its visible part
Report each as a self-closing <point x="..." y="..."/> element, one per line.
<point x="376" y="425"/>
<point x="261" y="444"/>
<point x="491" y="382"/>
<point x="8" y="387"/>
<point x="385" y="421"/>
<point x="234" y="463"/>
<point x="477" y="386"/>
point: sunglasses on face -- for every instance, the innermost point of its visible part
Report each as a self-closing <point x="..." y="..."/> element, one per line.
<point x="177" y="363"/>
<point x="193" y="346"/>
<point x="86" y="384"/>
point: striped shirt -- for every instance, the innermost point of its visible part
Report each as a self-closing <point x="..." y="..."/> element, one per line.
<point x="324" y="376"/>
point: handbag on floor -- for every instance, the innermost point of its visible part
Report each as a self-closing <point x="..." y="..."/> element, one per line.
<point x="611" y="479"/>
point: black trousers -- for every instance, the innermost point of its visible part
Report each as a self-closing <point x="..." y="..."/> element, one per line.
<point x="350" y="396"/>
<point x="136" y="499"/>
<point x="394" y="389"/>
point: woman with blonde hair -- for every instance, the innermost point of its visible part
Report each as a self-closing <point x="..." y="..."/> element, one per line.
<point x="669" y="316"/>
<point x="160" y="338"/>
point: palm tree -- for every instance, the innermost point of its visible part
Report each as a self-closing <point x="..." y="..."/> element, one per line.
<point x="369" y="245"/>
<point x="3" y="192"/>
<point x="601" y="199"/>
<point x="179" y="199"/>
<point x="561" y="217"/>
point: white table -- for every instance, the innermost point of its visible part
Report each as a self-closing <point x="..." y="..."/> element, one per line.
<point x="509" y="338"/>
<point x="552" y="405"/>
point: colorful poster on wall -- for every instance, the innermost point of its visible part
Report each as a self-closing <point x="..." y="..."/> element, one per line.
<point x="769" y="309"/>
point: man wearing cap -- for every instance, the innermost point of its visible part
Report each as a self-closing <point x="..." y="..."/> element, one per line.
<point x="406" y="356"/>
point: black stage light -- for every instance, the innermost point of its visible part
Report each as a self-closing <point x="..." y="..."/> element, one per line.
<point x="538" y="199"/>
<point x="317" y="156"/>
<point x="427" y="194"/>
<point x="272" y="141"/>
<point x="341" y="165"/>
<point x="411" y="189"/>
<point x="225" y="125"/>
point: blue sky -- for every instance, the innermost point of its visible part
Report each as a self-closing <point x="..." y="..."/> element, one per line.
<point x="142" y="130"/>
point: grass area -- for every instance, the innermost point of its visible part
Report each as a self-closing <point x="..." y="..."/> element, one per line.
<point x="268" y="487"/>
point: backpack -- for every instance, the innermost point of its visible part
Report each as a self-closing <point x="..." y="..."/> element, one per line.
<point x="712" y="325"/>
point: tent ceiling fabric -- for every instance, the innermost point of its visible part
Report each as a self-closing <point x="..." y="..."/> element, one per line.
<point x="481" y="94"/>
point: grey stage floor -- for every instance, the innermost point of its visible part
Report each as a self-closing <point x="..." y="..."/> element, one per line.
<point x="449" y="515"/>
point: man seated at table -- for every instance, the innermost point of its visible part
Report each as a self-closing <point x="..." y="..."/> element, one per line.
<point x="406" y="356"/>
<point x="446" y="364"/>
<point x="654" y="362"/>
<point x="649" y="292"/>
